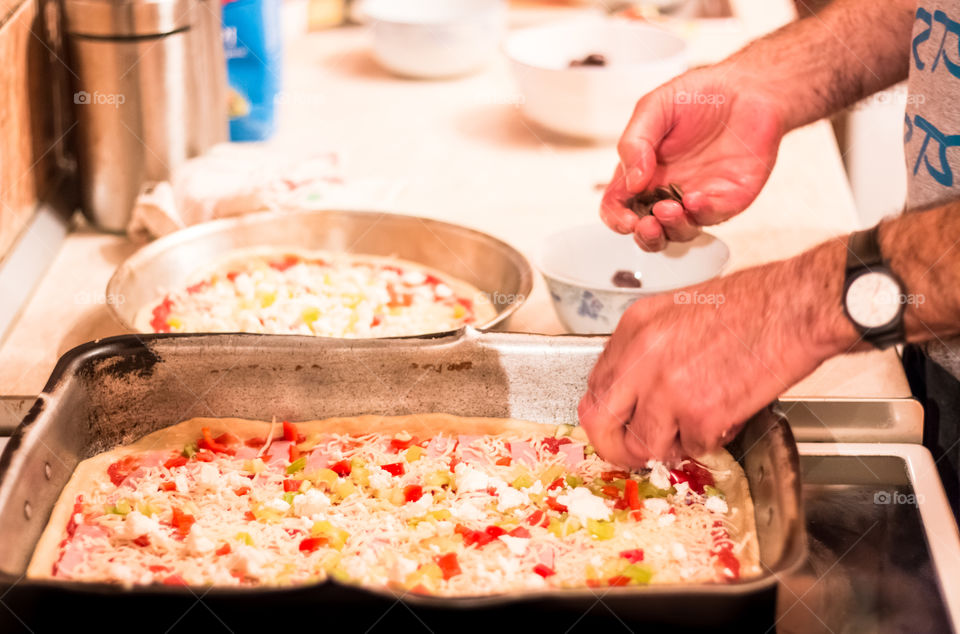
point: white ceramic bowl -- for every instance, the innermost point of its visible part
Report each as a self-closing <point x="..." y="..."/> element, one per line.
<point x="590" y="101"/>
<point x="579" y="263"/>
<point x="435" y="38"/>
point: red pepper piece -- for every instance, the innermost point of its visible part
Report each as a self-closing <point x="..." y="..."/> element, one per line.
<point x="182" y="521"/>
<point x="168" y="485"/>
<point x="553" y="444"/>
<point x="395" y="468"/>
<point x="174" y="580"/>
<point x="293" y="452"/>
<point x="119" y="470"/>
<point x="556" y="484"/>
<point x="143" y="541"/>
<point x="631" y="493"/>
<point x="196" y="288"/>
<point x="204" y="455"/>
<point x="412" y="492"/>
<point x="249" y="516"/>
<point x="209" y="442"/>
<point x="396" y="445"/>
<point x="610" y="491"/>
<point x="495" y="531"/>
<point x="448" y="565"/>
<point x="291" y="485"/>
<point x="619" y="580"/>
<point x="176" y="461"/>
<point x="242" y="490"/>
<point x="633" y="556"/>
<point x="341" y="468"/>
<point x="534" y="518"/>
<point x="311" y="544"/>
<point x="556" y="506"/>
<point x="223" y="550"/>
<point x="504" y="462"/>
<point x="694" y="474"/>
<point x="544" y="571"/>
<point x="290" y="432"/>
<point x="288" y="261"/>
<point x="160" y="314"/>
<point x="610" y="476"/>
<point x="520" y="531"/>
<point x="636" y="516"/>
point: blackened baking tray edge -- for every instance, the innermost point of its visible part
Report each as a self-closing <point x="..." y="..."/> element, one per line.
<point x="468" y="373"/>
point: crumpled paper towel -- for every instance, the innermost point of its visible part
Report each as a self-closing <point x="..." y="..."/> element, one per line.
<point x="233" y="179"/>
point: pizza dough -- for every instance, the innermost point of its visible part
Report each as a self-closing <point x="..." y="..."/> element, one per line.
<point x="289" y="291"/>
<point x="392" y="502"/>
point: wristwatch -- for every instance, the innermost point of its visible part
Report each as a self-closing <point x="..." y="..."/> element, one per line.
<point x="874" y="298"/>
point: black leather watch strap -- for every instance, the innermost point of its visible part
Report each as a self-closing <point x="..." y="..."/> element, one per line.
<point x="863" y="249"/>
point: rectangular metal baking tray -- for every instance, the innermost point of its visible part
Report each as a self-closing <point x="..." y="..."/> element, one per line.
<point x="114" y="391"/>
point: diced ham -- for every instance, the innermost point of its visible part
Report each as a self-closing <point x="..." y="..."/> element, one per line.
<point x="545" y="554"/>
<point x="524" y="453"/>
<point x="439" y="445"/>
<point x="572" y="454"/>
<point x="278" y="453"/>
<point x="466" y="440"/>
<point x="74" y="552"/>
<point x="474" y="456"/>
<point x="246" y="453"/>
<point x="316" y="460"/>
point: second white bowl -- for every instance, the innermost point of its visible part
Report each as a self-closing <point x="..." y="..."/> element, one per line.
<point x="591" y="101"/>
<point x="435" y="39"/>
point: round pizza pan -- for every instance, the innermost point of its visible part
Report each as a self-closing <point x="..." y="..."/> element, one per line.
<point x="491" y="265"/>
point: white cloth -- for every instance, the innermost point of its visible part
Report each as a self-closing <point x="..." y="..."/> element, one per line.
<point x="233" y="179"/>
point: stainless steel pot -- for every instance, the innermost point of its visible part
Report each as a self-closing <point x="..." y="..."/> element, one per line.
<point x="148" y="94"/>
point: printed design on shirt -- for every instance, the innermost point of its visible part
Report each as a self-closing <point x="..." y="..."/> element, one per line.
<point x="946" y="40"/>
<point x="939" y="169"/>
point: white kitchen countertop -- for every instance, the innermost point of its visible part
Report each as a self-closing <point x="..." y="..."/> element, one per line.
<point x="460" y="151"/>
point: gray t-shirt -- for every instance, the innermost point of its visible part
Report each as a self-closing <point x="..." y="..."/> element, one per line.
<point x="931" y="134"/>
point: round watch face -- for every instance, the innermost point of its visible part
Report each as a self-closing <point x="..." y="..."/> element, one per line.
<point x="873" y="299"/>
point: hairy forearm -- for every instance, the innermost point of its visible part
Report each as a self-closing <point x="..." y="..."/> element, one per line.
<point x="825" y="62"/>
<point x="923" y="249"/>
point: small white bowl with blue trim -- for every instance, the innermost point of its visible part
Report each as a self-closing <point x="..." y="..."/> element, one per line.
<point x="579" y="263"/>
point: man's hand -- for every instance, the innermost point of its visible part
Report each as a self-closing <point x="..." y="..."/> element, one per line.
<point x="715" y="131"/>
<point x="711" y="132"/>
<point x="684" y="370"/>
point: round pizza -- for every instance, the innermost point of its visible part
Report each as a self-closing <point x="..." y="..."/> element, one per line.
<point x="431" y="504"/>
<point x="317" y="293"/>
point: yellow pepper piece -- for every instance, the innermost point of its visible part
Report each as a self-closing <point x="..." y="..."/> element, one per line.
<point x="337" y="536"/>
<point x="415" y="453"/>
<point x="601" y="530"/>
<point x="310" y="314"/>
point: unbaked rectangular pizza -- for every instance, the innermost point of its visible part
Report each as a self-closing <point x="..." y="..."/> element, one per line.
<point x="431" y="504"/>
